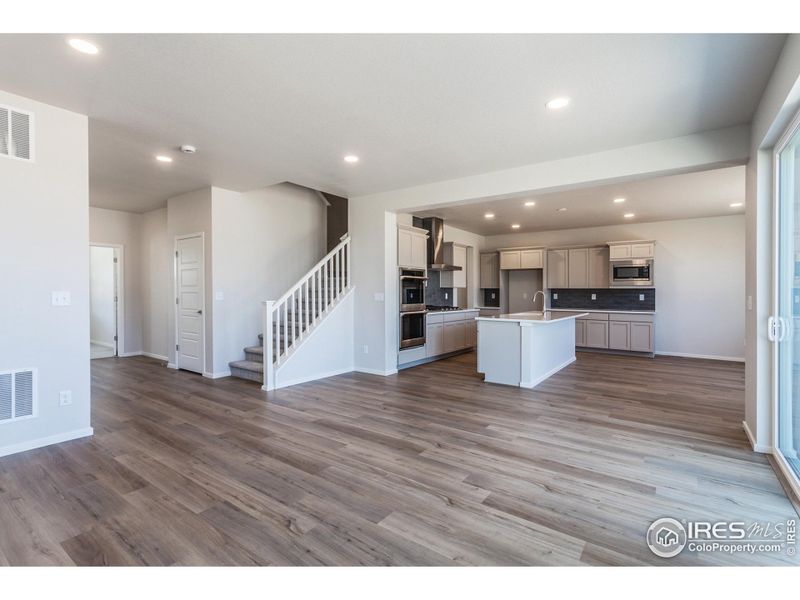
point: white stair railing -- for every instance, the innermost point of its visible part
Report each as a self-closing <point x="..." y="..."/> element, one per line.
<point x="289" y="319"/>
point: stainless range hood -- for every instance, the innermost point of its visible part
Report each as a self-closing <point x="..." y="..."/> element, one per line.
<point x="435" y="227"/>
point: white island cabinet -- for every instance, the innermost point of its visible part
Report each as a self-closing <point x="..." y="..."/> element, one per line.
<point x="524" y="349"/>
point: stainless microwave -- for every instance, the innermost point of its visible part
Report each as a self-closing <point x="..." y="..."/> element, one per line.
<point x="631" y="273"/>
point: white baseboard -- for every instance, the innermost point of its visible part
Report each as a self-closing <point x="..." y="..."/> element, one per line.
<point x="380" y="372"/>
<point x="761" y="448"/>
<point x="704" y="356"/>
<point x="103" y="344"/>
<point x="282" y="384"/>
<point x="550" y="373"/>
<point x="218" y="375"/>
<point x="156" y="356"/>
<point x="46" y="441"/>
<point x="172" y="366"/>
<point x="129" y="354"/>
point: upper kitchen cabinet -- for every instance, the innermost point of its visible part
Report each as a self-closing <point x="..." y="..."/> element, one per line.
<point x="577" y="268"/>
<point x="631" y="249"/>
<point x="521" y="258"/>
<point x="412" y="247"/>
<point x="557" y="269"/>
<point x="490" y="270"/>
<point x="598" y="267"/>
<point x="456" y="255"/>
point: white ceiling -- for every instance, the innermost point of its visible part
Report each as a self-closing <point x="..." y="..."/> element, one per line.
<point x="416" y="108"/>
<point x="691" y="195"/>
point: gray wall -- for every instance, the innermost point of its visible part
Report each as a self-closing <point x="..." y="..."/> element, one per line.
<point x="44" y="247"/>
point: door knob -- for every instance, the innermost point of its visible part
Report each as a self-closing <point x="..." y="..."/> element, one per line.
<point x="199" y="312"/>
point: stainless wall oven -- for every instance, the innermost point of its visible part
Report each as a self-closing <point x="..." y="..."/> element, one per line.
<point x="631" y="273"/>
<point x="412" y="290"/>
<point x="412" y="329"/>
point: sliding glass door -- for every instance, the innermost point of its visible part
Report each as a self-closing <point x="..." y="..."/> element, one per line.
<point x="785" y="325"/>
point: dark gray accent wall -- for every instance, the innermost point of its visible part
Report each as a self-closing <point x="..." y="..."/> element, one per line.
<point x="606" y="299"/>
<point x="336" y="217"/>
<point x="434" y="295"/>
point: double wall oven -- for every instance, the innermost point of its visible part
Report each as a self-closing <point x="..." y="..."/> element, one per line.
<point x="412" y="308"/>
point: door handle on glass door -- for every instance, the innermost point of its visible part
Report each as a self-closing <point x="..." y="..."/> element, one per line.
<point x="771" y="329"/>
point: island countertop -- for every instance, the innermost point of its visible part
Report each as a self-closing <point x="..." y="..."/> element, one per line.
<point x="535" y="317"/>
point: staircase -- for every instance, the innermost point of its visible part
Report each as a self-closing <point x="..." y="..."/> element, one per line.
<point x="290" y="320"/>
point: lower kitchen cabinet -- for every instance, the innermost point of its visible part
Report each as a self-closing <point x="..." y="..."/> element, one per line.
<point x="580" y="332"/>
<point x="619" y="335"/>
<point x="455" y="336"/>
<point x="642" y="337"/>
<point x="472" y="333"/>
<point x="434" y="339"/>
<point x="596" y="334"/>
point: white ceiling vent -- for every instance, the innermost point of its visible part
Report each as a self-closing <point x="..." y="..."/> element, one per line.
<point x="17" y="395"/>
<point x="16" y="133"/>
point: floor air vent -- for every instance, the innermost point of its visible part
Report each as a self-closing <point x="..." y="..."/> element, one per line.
<point x="17" y="395"/>
<point x="16" y="133"/>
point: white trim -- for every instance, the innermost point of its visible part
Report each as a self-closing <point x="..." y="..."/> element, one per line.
<point x="756" y="447"/>
<point x="282" y="384"/>
<point x="46" y="441"/>
<point x="172" y="365"/>
<point x="120" y="272"/>
<point x="380" y="372"/>
<point x="218" y="375"/>
<point x="187" y="236"/>
<point x="128" y="354"/>
<point x="703" y="356"/>
<point x="156" y="356"/>
<point x="788" y="473"/>
<point x="550" y="373"/>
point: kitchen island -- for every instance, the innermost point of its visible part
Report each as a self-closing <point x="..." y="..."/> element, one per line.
<point x="524" y="349"/>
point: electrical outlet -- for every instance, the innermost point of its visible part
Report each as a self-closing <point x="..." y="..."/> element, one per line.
<point x="555" y="296"/>
<point x="594" y="296"/>
<point x="524" y="295"/>
<point x="64" y="397"/>
<point x="61" y="299"/>
<point x="378" y="296"/>
<point x="494" y="295"/>
<point x="366" y="349"/>
<point x="641" y="297"/>
<point x="446" y="296"/>
<point x="219" y="296"/>
<point x="749" y="303"/>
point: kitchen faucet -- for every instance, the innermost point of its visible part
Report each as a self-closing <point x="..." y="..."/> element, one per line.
<point x="543" y="299"/>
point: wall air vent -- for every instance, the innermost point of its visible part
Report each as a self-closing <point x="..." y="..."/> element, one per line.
<point x="16" y="133"/>
<point x="17" y="395"/>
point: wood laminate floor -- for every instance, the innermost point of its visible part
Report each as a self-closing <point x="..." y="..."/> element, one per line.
<point x="427" y="467"/>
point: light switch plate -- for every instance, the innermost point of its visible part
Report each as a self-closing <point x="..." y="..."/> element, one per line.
<point x="61" y="298"/>
<point x="219" y="296"/>
<point x="64" y="397"/>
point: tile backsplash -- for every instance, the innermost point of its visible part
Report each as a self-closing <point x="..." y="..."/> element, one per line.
<point x="606" y="298"/>
<point x="434" y="294"/>
<point x="487" y="297"/>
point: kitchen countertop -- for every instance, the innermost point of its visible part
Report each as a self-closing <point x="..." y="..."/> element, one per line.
<point x="487" y="308"/>
<point x="460" y="310"/>
<point x="600" y="310"/>
<point x="536" y="317"/>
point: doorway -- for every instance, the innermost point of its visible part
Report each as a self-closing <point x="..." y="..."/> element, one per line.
<point x="104" y="300"/>
<point x="190" y="303"/>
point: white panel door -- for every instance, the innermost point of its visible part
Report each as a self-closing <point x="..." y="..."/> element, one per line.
<point x="190" y="294"/>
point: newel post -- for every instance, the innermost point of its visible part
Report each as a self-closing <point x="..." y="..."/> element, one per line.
<point x="269" y="344"/>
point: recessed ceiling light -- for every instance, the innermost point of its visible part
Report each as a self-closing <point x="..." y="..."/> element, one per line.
<point x="629" y="215"/>
<point x="530" y="203"/>
<point x="562" y="209"/>
<point x="351" y="158"/>
<point x="83" y="46"/>
<point x="489" y="216"/>
<point x="163" y="158"/>
<point x="619" y="200"/>
<point x="515" y="226"/>
<point x="736" y="204"/>
<point x="557" y="103"/>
